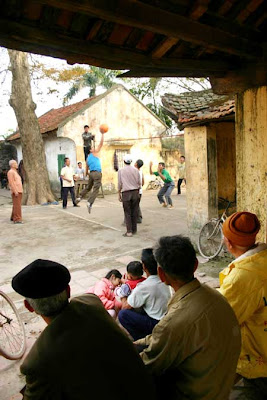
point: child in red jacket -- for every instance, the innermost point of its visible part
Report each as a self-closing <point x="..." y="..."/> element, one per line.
<point x="133" y="277"/>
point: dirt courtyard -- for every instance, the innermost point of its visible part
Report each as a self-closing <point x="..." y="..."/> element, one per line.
<point x="88" y="244"/>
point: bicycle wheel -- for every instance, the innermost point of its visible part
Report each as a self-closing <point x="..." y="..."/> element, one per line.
<point x="12" y="334"/>
<point x="155" y="185"/>
<point x="210" y="240"/>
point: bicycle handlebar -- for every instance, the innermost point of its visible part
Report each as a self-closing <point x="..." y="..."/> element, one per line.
<point x="226" y="200"/>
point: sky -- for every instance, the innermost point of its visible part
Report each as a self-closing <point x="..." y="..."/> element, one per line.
<point x="46" y="93"/>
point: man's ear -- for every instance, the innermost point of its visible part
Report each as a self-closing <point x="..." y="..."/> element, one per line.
<point x="227" y="243"/>
<point x="28" y="306"/>
<point x="161" y="274"/>
<point x="196" y="265"/>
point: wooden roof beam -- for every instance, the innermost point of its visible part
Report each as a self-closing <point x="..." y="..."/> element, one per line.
<point x="174" y="73"/>
<point x="198" y="9"/>
<point x="145" y="16"/>
<point x="96" y="54"/>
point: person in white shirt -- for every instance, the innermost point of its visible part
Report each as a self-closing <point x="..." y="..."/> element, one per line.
<point x="151" y="295"/>
<point x="138" y="165"/>
<point x="80" y="171"/>
<point x="67" y="177"/>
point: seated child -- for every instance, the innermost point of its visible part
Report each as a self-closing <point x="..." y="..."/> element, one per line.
<point x="104" y="289"/>
<point x="134" y="276"/>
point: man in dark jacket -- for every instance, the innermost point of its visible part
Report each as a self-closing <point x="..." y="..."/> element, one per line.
<point x="77" y="355"/>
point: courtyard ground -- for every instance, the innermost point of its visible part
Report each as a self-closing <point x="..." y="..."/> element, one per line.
<point x="89" y="245"/>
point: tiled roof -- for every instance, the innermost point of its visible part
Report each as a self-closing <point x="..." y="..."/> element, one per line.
<point x="52" y="119"/>
<point x="192" y="107"/>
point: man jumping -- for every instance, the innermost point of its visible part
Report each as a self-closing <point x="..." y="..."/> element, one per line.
<point x="93" y="164"/>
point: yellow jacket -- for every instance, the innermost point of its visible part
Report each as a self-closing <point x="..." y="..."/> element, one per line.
<point x="244" y="284"/>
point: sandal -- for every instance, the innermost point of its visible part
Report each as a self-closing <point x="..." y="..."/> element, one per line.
<point x="126" y="234"/>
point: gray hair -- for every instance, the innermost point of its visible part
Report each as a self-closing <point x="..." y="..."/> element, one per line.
<point x="49" y="306"/>
<point x="11" y="162"/>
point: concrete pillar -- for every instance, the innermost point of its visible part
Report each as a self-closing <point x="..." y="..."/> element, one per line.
<point x="251" y="153"/>
<point x="226" y="161"/>
<point x="201" y="175"/>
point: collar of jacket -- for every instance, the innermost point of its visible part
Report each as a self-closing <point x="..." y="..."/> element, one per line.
<point x="184" y="291"/>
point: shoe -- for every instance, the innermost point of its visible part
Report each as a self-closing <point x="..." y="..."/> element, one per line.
<point x="139" y="221"/>
<point x="64" y="208"/>
<point x="127" y="234"/>
<point x="18" y="222"/>
<point x="164" y="205"/>
<point x="76" y="205"/>
<point x="170" y="207"/>
<point x="78" y="200"/>
<point x="89" y="207"/>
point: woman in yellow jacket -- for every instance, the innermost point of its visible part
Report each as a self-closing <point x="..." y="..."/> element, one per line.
<point x="244" y="284"/>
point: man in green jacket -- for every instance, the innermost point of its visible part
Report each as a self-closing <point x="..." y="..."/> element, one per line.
<point x="168" y="186"/>
<point x="76" y="356"/>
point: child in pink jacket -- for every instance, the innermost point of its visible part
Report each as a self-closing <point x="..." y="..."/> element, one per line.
<point x="104" y="289"/>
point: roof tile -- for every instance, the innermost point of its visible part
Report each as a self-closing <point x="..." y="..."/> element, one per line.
<point x="197" y="106"/>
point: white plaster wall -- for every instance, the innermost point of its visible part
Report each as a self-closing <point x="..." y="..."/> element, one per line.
<point x="53" y="147"/>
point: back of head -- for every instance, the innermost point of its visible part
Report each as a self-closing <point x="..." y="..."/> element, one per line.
<point x="241" y="228"/>
<point x="149" y="261"/>
<point x="139" y="163"/>
<point x="135" y="268"/>
<point x="44" y="284"/>
<point x="176" y="256"/>
<point x="114" y="272"/>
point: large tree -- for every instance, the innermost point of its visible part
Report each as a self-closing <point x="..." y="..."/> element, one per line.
<point x="37" y="185"/>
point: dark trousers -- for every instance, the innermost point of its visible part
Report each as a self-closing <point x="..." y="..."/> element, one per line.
<point x="253" y="389"/>
<point x="179" y="185"/>
<point x="86" y="150"/>
<point x="138" y="325"/>
<point x="94" y="182"/>
<point x="140" y="216"/>
<point x="130" y="202"/>
<point x="166" y="191"/>
<point x="65" y="191"/>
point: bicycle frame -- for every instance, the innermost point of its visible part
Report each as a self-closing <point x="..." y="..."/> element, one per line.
<point x="221" y="219"/>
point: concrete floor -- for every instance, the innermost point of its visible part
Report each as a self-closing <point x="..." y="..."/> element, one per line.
<point x="89" y="245"/>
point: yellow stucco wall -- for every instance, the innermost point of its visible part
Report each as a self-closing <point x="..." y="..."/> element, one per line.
<point x="197" y="174"/>
<point x="130" y="124"/>
<point x="226" y="159"/>
<point x="251" y="153"/>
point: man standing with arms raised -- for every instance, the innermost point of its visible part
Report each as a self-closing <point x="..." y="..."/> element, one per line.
<point x="15" y="184"/>
<point x="93" y="164"/>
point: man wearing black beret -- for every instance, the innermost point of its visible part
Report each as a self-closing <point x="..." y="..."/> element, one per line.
<point x="77" y="355"/>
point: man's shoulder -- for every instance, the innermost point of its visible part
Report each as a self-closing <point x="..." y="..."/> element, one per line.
<point x="42" y="353"/>
<point x="10" y="172"/>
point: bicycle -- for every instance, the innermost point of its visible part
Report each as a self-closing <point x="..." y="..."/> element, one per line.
<point x="210" y="240"/>
<point x="12" y="333"/>
<point x="154" y="184"/>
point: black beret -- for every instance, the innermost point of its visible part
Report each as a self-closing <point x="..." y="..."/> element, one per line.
<point x="41" y="278"/>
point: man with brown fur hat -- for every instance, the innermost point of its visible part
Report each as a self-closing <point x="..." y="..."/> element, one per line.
<point x="244" y="284"/>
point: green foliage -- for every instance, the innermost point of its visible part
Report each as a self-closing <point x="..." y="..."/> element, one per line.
<point x="92" y="79"/>
<point x="148" y="90"/>
<point x="173" y="143"/>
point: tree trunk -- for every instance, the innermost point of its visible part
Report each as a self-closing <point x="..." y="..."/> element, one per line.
<point x="37" y="185"/>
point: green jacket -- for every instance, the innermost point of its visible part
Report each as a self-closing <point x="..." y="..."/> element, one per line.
<point x="83" y="354"/>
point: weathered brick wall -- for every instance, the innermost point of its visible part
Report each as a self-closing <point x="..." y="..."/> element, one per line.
<point x="7" y="152"/>
<point x="251" y="154"/>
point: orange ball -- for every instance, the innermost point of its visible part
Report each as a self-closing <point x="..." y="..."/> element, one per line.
<point x="103" y="128"/>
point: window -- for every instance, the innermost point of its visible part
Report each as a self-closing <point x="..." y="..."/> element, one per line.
<point x="120" y="154"/>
